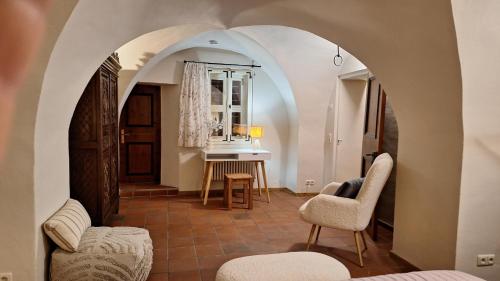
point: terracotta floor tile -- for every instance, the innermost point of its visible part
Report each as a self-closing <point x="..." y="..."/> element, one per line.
<point x="158" y="234"/>
<point x="159" y="228"/>
<point x="156" y="219"/>
<point x="160" y="266"/>
<point x="160" y="243"/>
<point x="211" y="262"/>
<point x="208" y="274"/>
<point x="206" y="240"/>
<point x="221" y="221"/>
<point x="235" y="248"/>
<point x="230" y="237"/>
<point x="231" y="229"/>
<point x="160" y="255"/>
<point x="203" y="230"/>
<point x="181" y="252"/>
<point x="180" y="242"/>
<point x="193" y="275"/>
<point x="134" y="222"/>
<point x="209" y="250"/>
<point x="180" y="232"/>
<point x="158" y="277"/>
<point x="187" y="264"/>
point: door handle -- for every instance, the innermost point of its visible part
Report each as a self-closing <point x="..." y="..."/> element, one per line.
<point x="122" y="136"/>
<point x="373" y="154"/>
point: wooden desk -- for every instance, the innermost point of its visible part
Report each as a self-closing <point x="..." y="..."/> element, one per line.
<point x="217" y="155"/>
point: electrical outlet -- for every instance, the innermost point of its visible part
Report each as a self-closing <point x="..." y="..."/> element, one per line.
<point x="485" y="260"/>
<point x="310" y="182"/>
<point x="6" y="276"/>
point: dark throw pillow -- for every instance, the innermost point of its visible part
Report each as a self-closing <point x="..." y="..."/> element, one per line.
<point x="350" y="188"/>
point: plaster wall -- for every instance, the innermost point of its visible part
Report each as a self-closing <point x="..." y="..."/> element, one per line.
<point x="182" y="167"/>
<point x="22" y="244"/>
<point x="478" y="29"/>
<point x="312" y="77"/>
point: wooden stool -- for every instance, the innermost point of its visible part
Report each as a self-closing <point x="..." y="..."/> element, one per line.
<point x="244" y="179"/>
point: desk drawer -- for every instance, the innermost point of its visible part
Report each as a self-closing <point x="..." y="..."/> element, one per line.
<point x="254" y="156"/>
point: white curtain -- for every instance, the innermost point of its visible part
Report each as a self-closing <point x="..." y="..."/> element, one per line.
<point x="194" y="106"/>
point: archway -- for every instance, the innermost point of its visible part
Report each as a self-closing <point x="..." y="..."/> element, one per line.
<point x="230" y="40"/>
<point x="427" y="134"/>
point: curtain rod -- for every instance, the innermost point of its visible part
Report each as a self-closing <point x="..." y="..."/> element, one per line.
<point x="217" y="63"/>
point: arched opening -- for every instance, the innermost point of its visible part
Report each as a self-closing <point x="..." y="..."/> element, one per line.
<point x="166" y="68"/>
<point x="182" y="168"/>
<point x="417" y="89"/>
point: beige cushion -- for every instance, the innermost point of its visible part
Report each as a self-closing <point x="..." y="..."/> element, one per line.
<point x="106" y="253"/>
<point x="294" y="266"/>
<point x="67" y="225"/>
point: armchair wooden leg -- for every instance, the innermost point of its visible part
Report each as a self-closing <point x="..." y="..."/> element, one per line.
<point x="311" y="235"/>
<point x="364" y="241"/>
<point x="317" y="234"/>
<point x="358" y="247"/>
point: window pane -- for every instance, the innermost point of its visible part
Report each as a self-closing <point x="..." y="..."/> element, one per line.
<point x="217" y="92"/>
<point x="236" y="92"/>
<point x="217" y="125"/>
<point x="239" y="125"/>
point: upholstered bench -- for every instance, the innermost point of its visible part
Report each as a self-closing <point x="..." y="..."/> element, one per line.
<point x="310" y="266"/>
<point x="293" y="266"/>
<point x="96" y="253"/>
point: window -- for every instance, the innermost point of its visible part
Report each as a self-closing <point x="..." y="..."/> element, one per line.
<point x="231" y="105"/>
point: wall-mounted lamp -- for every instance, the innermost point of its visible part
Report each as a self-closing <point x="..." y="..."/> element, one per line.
<point x="337" y="59"/>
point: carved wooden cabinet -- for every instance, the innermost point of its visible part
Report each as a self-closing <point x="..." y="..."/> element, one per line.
<point x="93" y="145"/>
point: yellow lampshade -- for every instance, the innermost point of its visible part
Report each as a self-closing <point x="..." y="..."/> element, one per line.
<point x="256" y="132"/>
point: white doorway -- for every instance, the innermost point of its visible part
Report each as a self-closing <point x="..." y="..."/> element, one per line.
<point x="350" y="117"/>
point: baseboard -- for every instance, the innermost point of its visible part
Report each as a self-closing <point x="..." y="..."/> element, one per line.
<point x="299" y="194"/>
<point x="219" y="191"/>
<point x="401" y="260"/>
<point x="386" y="225"/>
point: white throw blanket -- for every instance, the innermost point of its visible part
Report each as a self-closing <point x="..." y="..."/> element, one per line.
<point x="432" y="275"/>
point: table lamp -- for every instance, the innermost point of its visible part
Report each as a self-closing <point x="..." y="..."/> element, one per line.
<point x="256" y="132"/>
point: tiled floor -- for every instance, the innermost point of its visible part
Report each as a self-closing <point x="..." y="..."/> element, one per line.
<point x="192" y="241"/>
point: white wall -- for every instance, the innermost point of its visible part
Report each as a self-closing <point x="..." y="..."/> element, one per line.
<point x="478" y="29"/>
<point x="182" y="167"/>
<point x="312" y="76"/>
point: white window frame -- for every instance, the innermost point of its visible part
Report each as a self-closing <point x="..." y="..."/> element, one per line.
<point x="229" y="75"/>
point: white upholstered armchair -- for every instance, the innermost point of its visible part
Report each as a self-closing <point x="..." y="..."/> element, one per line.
<point x="331" y="211"/>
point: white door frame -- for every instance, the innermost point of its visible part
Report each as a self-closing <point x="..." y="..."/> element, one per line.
<point x="363" y="75"/>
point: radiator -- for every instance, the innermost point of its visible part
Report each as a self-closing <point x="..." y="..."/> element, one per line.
<point x="232" y="167"/>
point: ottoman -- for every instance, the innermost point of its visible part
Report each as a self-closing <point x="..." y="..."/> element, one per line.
<point x="293" y="266"/>
<point x="106" y="253"/>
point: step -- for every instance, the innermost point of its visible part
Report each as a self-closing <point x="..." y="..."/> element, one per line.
<point x="148" y="191"/>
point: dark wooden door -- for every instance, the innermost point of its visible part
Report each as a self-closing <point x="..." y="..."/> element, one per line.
<point x="140" y="136"/>
<point x="373" y="136"/>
